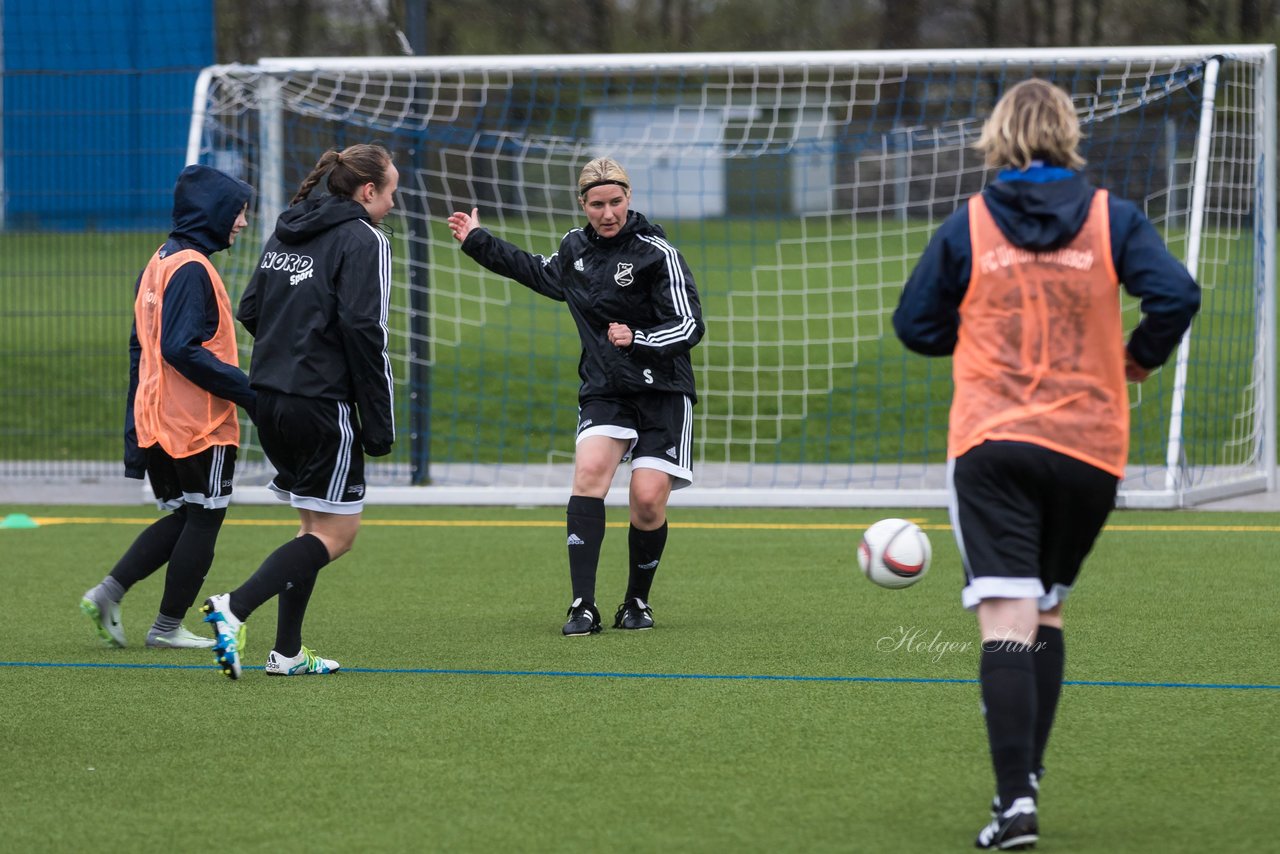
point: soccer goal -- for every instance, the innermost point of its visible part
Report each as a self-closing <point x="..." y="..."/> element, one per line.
<point x="800" y="187"/>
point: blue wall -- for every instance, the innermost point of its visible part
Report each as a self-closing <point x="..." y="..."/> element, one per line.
<point x="97" y="103"/>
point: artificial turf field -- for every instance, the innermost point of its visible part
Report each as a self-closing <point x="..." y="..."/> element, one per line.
<point x="782" y="703"/>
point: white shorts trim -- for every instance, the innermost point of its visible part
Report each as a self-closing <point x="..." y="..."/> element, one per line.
<point x="995" y="587"/>
<point x="319" y="505"/>
<point x="626" y="434"/>
<point x="683" y="477"/>
<point x="220" y="502"/>
<point x="215" y="502"/>
<point x="336" y="508"/>
<point x="1055" y="597"/>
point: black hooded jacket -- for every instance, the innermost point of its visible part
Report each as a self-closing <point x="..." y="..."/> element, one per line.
<point x="317" y="308"/>
<point x="635" y="278"/>
<point x="206" y="203"/>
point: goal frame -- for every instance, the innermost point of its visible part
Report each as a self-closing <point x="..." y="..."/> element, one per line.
<point x="1175" y="492"/>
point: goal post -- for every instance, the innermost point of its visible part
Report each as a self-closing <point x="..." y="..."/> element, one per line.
<point x="800" y="187"/>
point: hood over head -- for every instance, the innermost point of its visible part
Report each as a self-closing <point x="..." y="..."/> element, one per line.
<point x="1040" y="209"/>
<point x="206" y="203"/>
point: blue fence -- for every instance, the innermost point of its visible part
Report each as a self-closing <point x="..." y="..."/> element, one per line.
<point x="97" y="102"/>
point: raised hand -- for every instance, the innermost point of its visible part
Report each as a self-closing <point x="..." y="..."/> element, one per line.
<point x="461" y="223"/>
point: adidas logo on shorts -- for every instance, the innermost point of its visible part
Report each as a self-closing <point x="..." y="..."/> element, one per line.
<point x="575" y="540"/>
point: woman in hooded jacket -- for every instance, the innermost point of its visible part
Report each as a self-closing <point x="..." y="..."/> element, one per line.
<point x="181" y="426"/>
<point x="317" y="308"/>
<point x="1021" y="286"/>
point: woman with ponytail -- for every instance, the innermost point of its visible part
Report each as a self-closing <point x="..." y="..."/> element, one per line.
<point x="316" y="307"/>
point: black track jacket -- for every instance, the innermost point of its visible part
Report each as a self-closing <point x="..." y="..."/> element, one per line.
<point x="317" y="308"/>
<point x="636" y="278"/>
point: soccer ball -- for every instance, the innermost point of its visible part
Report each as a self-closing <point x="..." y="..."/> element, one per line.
<point x="894" y="553"/>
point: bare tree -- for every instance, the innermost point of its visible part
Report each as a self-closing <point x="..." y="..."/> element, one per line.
<point x="1095" y="29"/>
<point x="599" y="14"/>
<point x="1050" y="22"/>
<point x="900" y="24"/>
<point x="1031" y="19"/>
<point x="1074" y="24"/>
<point x="1195" y="14"/>
<point x="249" y="29"/>
<point x="1250" y="18"/>
<point x="988" y="15"/>
<point x="666" y="25"/>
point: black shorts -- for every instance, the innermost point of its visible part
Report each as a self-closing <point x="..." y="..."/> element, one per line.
<point x="204" y="478"/>
<point x="1024" y="518"/>
<point x="659" y="426"/>
<point x="315" y="447"/>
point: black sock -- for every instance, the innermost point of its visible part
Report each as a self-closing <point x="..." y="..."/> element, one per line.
<point x="294" y="562"/>
<point x="645" y="549"/>
<point x="190" y="561"/>
<point x="150" y="550"/>
<point x="1009" y="695"/>
<point x="291" y="607"/>
<point x="584" y="519"/>
<point x="1050" y="657"/>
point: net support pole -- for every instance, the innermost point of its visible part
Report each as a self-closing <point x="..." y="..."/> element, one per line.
<point x="270" y="188"/>
<point x="199" y="111"/>
<point x="3" y="195"/>
<point x="417" y="213"/>
<point x="419" y="233"/>
<point x="1266" y="259"/>
<point x="1195" y="228"/>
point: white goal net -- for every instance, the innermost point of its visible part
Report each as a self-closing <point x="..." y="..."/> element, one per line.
<point x="800" y="187"/>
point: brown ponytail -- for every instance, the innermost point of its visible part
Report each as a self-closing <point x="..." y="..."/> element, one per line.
<point x="348" y="170"/>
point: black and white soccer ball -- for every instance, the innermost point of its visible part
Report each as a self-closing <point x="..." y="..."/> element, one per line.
<point x="894" y="553"/>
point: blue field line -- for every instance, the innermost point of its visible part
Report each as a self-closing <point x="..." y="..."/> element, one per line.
<point x="108" y="665"/>
<point x="609" y="674"/>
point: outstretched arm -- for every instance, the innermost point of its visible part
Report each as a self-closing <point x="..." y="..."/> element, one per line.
<point x="533" y="271"/>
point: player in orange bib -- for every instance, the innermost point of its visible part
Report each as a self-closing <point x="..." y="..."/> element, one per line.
<point x="1021" y="287"/>
<point x="181" y="426"/>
